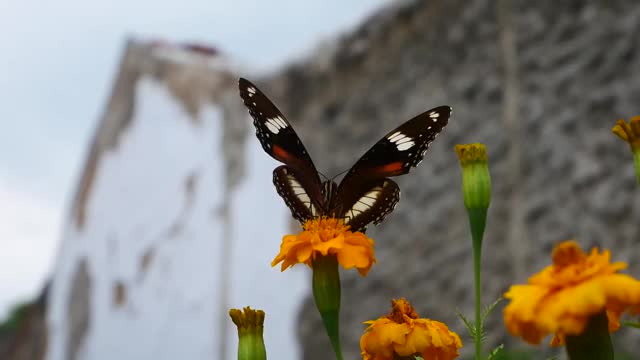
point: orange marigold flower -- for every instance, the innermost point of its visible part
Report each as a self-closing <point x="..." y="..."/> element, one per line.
<point x="563" y="296"/>
<point x="402" y="333"/>
<point x="327" y="236"/>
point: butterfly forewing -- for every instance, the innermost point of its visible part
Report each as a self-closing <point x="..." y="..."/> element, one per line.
<point x="279" y="140"/>
<point x="276" y="135"/>
<point x="402" y="148"/>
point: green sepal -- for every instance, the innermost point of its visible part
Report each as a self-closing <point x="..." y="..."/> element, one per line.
<point x="326" y="293"/>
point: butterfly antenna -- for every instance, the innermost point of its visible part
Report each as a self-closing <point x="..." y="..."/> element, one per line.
<point x="323" y="175"/>
<point x="338" y="174"/>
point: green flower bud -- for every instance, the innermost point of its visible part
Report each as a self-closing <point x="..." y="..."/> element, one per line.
<point x="631" y="134"/>
<point x="476" y="182"/>
<point x="250" y="325"/>
<point x="476" y="190"/>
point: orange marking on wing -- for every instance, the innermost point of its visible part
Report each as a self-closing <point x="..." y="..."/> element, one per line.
<point x="280" y="152"/>
<point x="390" y="168"/>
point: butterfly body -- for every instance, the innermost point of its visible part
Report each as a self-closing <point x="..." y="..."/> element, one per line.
<point x="366" y="194"/>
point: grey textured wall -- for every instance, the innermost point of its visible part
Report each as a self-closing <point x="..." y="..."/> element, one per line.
<point x="541" y="83"/>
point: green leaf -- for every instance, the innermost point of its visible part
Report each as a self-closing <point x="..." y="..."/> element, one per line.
<point x="495" y="352"/>
<point x="470" y="327"/>
<point x="490" y="308"/>
<point x="631" y="324"/>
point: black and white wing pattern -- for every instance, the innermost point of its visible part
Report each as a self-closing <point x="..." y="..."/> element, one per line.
<point x="401" y="149"/>
<point x="372" y="206"/>
<point x="365" y="195"/>
<point x="279" y="140"/>
<point x="294" y="194"/>
<point x="395" y="154"/>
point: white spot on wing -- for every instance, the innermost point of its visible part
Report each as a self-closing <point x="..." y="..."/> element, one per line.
<point x="280" y="122"/>
<point x="304" y="198"/>
<point x="402" y="141"/>
<point x="367" y="201"/>
<point x="276" y="123"/>
<point x="434" y="114"/>
<point x="360" y="207"/>
<point x="405" y="146"/>
<point x="390" y="137"/>
<point x="274" y="129"/>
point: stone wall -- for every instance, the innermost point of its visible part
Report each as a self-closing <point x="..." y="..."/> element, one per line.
<point x="541" y="83"/>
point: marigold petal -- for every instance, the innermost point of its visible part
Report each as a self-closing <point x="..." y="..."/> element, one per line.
<point x="623" y="290"/>
<point x="324" y="247"/>
<point x="302" y="253"/>
<point x="355" y="256"/>
<point x="557" y="340"/>
<point x="380" y="337"/>
<point x="325" y="236"/>
<point x="562" y="297"/>
<point x="568" y="311"/>
<point x="401" y="334"/>
<point x="287" y="243"/>
<point x="417" y="340"/>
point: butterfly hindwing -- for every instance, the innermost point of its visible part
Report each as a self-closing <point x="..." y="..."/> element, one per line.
<point x="294" y="194"/>
<point x="372" y="206"/>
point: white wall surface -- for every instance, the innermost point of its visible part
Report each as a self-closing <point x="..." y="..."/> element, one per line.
<point x="137" y="202"/>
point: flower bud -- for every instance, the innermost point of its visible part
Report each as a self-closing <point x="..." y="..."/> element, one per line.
<point x="476" y="182"/>
<point x="250" y="325"/>
<point x="631" y="134"/>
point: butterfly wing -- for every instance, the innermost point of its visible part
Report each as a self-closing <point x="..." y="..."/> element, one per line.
<point x="373" y="206"/>
<point x="401" y="149"/>
<point x="294" y="194"/>
<point x="279" y="140"/>
<point x="395" y="154"/>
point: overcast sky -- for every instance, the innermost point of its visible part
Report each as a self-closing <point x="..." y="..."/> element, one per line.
<point x="57" y="61"/>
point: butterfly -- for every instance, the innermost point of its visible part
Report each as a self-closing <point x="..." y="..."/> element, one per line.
<point x="366" y="194"/>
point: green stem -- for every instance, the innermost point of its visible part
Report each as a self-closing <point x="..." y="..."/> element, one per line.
<point x="326" y="292"/>
<point x="477" y="219"/>
<point x="636" y="160"/>
<point x="594" y="343"/>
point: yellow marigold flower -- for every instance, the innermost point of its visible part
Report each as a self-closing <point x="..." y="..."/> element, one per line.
<point x="402" y="333"/>
<point x="327" y="236"/>
<point x="565" y="295"/>
<point x="629" y="132"/>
